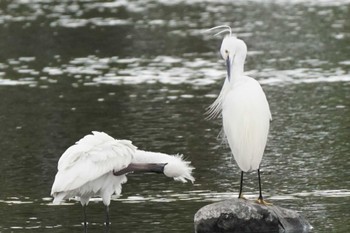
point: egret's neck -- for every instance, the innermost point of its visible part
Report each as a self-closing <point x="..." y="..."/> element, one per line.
<point x="237" y="68"/>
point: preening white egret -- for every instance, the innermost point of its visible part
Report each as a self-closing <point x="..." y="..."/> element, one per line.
<point x="244" y="108"/>
<point x="97" y="165"/>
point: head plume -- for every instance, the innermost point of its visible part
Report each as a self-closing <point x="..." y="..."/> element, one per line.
<point x="226" y="29"/>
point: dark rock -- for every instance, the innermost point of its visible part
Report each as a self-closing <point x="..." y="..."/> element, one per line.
<point x="238" y="215"/>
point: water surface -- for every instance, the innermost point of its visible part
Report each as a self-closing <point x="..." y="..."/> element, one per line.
<point x="145" y="71"/>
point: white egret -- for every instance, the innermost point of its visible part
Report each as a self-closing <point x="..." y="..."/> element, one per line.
<point x="244" y="108"/>
<point x="97" y="165"/>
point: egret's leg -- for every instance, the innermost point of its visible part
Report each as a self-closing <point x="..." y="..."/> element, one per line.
<point x="240" y="195"/>
<point x="107" y="219"/>
<point x="260" y="192"/>
<point x="261" y="199"/>
<point x="85" y="222"/>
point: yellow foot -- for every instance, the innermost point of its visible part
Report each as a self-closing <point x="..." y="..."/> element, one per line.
<point x="263" y="202"/>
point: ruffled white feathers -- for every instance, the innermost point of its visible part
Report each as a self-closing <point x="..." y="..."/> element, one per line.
<point x="215" y="109"/>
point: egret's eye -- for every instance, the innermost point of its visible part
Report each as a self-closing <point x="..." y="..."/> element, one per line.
<point x="226" y="51"/>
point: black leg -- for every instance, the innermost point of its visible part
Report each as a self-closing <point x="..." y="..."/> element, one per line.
<point x="107" y="219"/>
<point x="260" y="199"/>
<point x="260" y="192"/>
<point x="85" y="223"/>
<point x="241" y="187"/>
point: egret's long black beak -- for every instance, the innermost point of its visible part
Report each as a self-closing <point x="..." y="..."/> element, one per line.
<point x="228" y="67"/>
<point x="142" y="167"/>
<point x="157" y="167"/>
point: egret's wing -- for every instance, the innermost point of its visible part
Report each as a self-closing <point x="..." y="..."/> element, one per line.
<point x="91" y="157"/>
<point x="84" y="145"/>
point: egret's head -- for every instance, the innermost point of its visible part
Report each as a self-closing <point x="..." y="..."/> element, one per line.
<point x="233" y="50"/>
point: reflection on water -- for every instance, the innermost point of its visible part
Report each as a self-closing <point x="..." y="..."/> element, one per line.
<point x="146" y="71"/>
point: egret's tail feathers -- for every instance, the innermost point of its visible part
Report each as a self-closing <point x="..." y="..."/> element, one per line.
<point x="176" y="167"/>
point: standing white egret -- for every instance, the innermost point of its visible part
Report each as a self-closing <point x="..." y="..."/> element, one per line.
<point x="245" y="111"/>
<point x="97" y="166"/>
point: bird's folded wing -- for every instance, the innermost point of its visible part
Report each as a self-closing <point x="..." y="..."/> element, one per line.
<point x="92" y="157"/>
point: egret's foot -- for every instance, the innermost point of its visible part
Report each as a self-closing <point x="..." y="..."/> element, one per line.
<point x="85" y="224"/>
<point x="261" y="201"/>
<point x="107" y="227"/>
<point x="242" y="197"/>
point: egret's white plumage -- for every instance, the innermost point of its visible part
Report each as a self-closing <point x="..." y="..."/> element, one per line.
<point x="244" y="108"/>
<point x="246" y="120"/>
<point x="88" y="168"/>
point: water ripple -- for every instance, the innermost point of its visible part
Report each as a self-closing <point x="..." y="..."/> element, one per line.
<point x="78" y="14"/>
<point x="193" y="196"/>
<point x="190" y="69"/>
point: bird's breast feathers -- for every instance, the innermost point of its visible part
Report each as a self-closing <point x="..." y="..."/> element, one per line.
<point x="246" y="120"/>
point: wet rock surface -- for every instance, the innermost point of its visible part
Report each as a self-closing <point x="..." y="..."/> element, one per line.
<point x="238" y="215"/>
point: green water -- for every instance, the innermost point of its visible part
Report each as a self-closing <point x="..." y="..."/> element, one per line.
<point x="145" y="71"/>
